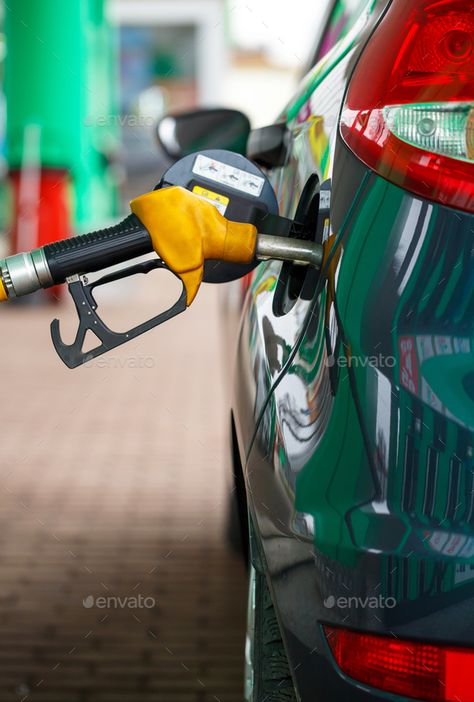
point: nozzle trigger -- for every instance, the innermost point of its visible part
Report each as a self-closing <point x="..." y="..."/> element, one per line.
<point x="82" y="293"/>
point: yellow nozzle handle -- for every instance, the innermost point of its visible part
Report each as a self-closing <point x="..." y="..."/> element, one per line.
<point x="186" y="231"/>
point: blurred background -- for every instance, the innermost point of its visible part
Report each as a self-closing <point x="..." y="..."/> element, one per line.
<point x="115" y="480"/>
<point x="84" y="83"/>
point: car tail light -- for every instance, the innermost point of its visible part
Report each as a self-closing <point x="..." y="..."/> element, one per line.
<point x="409" y="111"/>
<point x="410" y="668"/>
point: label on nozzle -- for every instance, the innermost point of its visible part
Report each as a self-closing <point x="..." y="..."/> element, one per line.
<point x="220" y="202"/>
<point x="228" y="175"/>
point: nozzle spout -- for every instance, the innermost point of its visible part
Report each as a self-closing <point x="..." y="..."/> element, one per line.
<point x="285" y="248"/>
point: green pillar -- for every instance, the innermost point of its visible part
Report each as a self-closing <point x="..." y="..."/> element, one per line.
<point x="57" y="79"/>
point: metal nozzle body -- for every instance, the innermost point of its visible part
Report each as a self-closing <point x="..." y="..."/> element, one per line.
<point x="25" y="273"/>
<point x="285" y="248"/>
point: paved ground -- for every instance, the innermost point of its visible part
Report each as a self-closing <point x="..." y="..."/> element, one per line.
<point x="113" y="485"/>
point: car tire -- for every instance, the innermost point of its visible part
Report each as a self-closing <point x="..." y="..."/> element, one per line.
<point x="267" y="673"/>
<point x="237" y="524"/>
<point x="233" y="525"/>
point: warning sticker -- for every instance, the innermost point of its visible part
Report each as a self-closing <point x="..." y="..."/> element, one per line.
<point x="220" y="202"/>
<point x="228" y="175"/>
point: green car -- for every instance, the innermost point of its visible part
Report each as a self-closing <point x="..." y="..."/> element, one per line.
<point x="353" y="394"/>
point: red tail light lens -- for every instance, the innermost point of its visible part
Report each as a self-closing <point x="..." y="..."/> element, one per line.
<point x="409" y="112"/>
<point x="410" y="668"/>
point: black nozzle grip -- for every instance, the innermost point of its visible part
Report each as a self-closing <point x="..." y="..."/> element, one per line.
<point x="97" y="250"/>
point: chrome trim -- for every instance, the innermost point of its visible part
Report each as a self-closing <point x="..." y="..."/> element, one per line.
<point x="24" y="273"/>
<point x="42" y="268"/>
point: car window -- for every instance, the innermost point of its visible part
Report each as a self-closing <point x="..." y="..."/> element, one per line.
<point x="341" y="20"/>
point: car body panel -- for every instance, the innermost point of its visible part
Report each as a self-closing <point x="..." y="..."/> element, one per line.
<point x="323" y="69"/>
<point x="267" y="340"/>
<point x="330" y="475"/>
<point x="354" y="412"/>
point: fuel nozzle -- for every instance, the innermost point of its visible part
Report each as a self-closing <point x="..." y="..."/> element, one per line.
<point x="211" y="219"/>
<point x="25" y="273"/>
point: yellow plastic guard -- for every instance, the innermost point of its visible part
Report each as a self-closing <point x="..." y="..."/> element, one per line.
<point x="3" y="292"/>
<point x="186" y="231"/>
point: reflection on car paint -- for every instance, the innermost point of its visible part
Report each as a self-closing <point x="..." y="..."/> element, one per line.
<point x="396" y="499"/>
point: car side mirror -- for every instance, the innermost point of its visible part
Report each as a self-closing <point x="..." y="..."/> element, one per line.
<point x="269" y="146"/>
<point x="187" y="132"/>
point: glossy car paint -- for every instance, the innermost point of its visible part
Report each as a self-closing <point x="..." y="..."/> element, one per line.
<point x="354" y="411"/>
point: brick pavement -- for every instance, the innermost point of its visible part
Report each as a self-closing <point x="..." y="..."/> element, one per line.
<point x="113" y="484"/>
